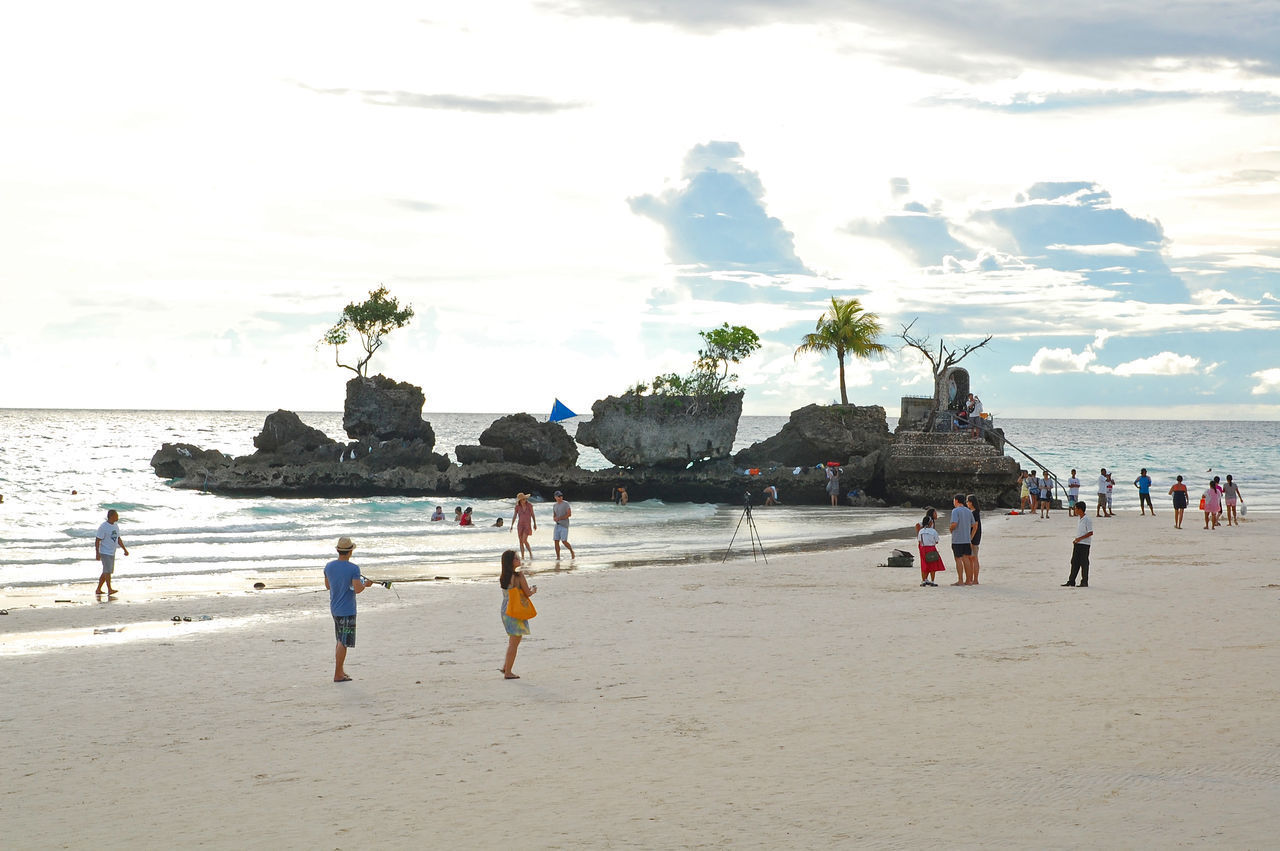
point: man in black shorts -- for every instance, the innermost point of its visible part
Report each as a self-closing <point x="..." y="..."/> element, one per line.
<point x="962" y="528"/>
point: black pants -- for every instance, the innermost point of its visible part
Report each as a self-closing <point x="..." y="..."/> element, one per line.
<point x="1146" y="498"/>
<point x="1080" y="564"/>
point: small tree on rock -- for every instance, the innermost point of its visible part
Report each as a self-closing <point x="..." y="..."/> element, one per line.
<point x="941" y="360"/>
<point x="725" y="345"/>
<point x="710" y="376"/>
<point x="372" y="319"/>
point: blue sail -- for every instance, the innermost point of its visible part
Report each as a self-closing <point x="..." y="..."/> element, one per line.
<point x="560" y="411"/>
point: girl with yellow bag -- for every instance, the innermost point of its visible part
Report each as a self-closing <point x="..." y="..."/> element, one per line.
<point x="517" y="608"/>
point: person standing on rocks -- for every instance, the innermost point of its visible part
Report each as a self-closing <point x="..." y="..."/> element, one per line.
<point x="561" y="512"/>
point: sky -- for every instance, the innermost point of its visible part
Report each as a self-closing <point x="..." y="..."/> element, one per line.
<point x="567" y="192"/>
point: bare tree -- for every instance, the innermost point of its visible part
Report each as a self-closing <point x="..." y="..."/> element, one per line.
<point x="941" y="360"/>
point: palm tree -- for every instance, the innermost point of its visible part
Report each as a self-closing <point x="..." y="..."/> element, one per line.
<point x="845" y="329"/>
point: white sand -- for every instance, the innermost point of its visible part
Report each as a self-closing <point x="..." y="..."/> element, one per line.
<point x="819" y="701"/>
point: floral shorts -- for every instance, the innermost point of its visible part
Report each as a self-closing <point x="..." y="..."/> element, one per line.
<point x="344" y="629"/>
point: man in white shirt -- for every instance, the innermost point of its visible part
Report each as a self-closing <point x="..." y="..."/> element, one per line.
<point x="1080" y="547"/>
<point x="1102" y="492"/>
<point x="105" y="543"/>
<point x="1073" y="491"/>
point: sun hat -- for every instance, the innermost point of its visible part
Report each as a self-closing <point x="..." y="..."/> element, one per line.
<point x="345" y="544"/>
<point x="522" y="496"/>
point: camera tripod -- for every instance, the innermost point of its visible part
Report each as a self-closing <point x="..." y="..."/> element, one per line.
<point x="752" y="533"/>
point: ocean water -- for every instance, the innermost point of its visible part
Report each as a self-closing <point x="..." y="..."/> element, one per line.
<point x="60" y="470"/>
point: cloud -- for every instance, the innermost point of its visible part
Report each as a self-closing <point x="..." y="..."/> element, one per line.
<point x="1021" y="103"/>
<point x="1164" y="363"/>
<point x="1114" y="249"/>
<point x="487" y="104"/>
<point x="1055" y="361"/>
<point x="1068" y="226"/>
<point x="1059" y="225"/>
<point x="1091" y="36"/>
<point x="924" y="237"/>
<point x="715" y="219"/>
<point x="1268" y="381"/>
<point x="416" y="206"/>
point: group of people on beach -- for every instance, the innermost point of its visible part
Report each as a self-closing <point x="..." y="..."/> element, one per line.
<point x="966" y="538"/>
<point x="1219" y="498"/>
<point x="525" y="523"/>
<point x="343" y="579"/>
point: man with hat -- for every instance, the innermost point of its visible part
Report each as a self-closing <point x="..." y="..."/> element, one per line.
<point x="342" y="578"/>
<point x="561" y="512"/>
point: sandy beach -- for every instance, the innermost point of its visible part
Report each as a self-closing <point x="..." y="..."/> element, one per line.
<point x="820" y="700"/>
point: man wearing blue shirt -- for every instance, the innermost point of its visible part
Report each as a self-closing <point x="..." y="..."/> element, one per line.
<point x="342" y="578"/>
<point x="962" y="528"/>
<point x="1143" y="484"/>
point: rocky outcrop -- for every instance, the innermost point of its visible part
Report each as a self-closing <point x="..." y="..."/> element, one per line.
<point x="662" y="431"/>
<point x="523" y="440"/>
<point x="381" y="409"/>
<point x="925" y="468"/>
<point x="295" y="459"/>
<point x="478" y="454"/>
<point x="174" y="460"/>
<point x="284" y="430"/>
<point x="816" y="434"/>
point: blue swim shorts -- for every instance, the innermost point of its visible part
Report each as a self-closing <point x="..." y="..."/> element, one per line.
<point x="344" y="629"/>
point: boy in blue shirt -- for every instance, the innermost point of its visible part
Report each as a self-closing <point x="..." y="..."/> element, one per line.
<point x="342" y="578"/>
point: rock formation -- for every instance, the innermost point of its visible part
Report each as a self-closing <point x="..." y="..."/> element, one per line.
<point x="284" y="429"/>
<point x="816" y="434"/>
<point x="662" y="431"/>
<point x="927" y="468"/>
<point x="381" y="409"/>
<point x="524" y="440"/>
<point x="672" y="448"/>
<point x="478" y="454"/>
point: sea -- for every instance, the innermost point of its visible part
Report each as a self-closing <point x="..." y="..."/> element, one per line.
<point x="61" y="470"/>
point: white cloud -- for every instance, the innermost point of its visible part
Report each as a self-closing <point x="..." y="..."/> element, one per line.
<point x="1054" y="361"/>
<point x="1111" y="249"/>
<point x="1164" y="363"/>
<point x="1268" y="381"/>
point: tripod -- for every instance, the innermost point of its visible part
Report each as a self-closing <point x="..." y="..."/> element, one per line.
<point x="752" y="534"/>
